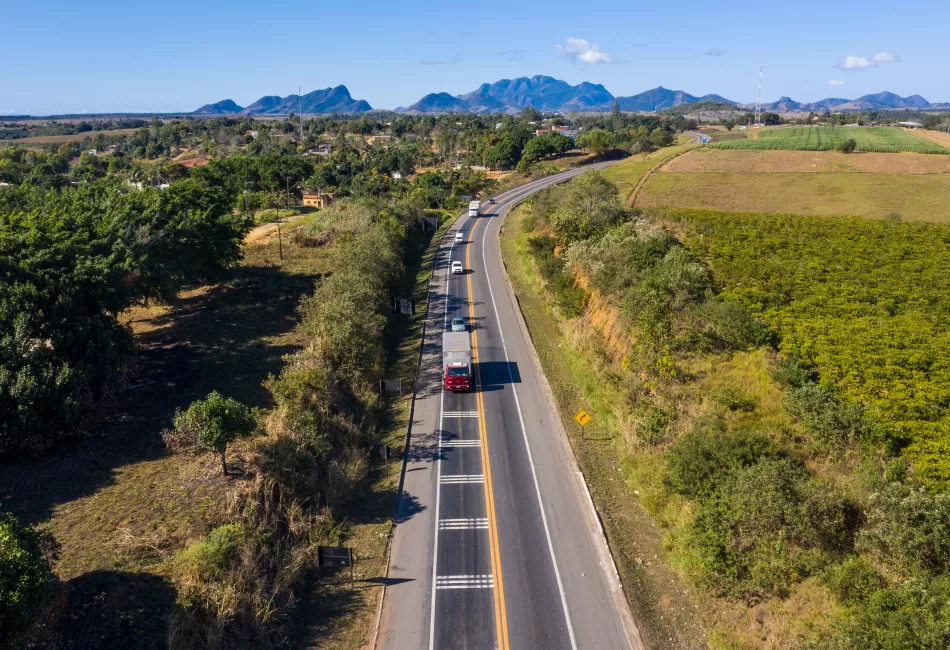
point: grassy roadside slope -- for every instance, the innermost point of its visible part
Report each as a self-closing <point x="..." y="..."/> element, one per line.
<point x="660" y="602"/>
<point x="644" y="523"/>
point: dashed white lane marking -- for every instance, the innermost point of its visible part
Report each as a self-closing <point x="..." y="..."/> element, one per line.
<point x="485" y="581"/>
<point x="448" y="442"/>
<point x="462" y="478"/>
<point x="461" y="414"/>
<point x="464" y="524"/>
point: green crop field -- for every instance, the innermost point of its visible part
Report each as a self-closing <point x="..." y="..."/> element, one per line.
<point x="866" y="302"/>
<point x="883" y="139"/>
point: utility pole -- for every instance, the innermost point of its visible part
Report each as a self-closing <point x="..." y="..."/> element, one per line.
<point x="280" y="241"/>
<point x="300" y="114"/>
<point x="758" y="101"/>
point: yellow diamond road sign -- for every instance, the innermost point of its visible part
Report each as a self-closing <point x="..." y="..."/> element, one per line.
<point x="582" y="417"/>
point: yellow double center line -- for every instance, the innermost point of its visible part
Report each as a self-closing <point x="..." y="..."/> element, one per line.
<point x="501" y="617"/>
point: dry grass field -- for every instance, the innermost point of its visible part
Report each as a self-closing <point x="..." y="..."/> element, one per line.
<point x="57" y="139"/>
<point x="818" y="183"/>
<point x="718" y="160"/>
<point x="940" y="137"/>
<point x="916" y="197"/>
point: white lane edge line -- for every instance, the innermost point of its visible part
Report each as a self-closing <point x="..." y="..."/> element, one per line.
<point x="438" y="482"/>
<point x="524" y="433"/>
<point x="515" y="194"/>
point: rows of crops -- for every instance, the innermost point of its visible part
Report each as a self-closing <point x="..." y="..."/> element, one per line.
<point x="866" y="302"/>
<point x="883" y="139"/>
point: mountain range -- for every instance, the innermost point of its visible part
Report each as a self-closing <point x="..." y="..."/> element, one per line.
<point x="550" y="95"/>
<point x="877" y="102"/>
<point x="328" y="100"/>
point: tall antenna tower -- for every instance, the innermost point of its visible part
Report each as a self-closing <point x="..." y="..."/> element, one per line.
<point x="758" y="101"/>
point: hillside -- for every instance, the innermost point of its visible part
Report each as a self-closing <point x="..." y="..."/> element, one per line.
<point x="874" y="102"/>
<point x="660" y="98"/>
<point x="224" y="107"/>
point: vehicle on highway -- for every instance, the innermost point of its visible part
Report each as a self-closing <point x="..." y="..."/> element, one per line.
<point x="460" y="237"/>
<point x="456" y="361"/>
<point x="457" y="268"/>
<point x="473" y="209"/>
<point x="458" y="324"/>
<point x="491" y="201"/>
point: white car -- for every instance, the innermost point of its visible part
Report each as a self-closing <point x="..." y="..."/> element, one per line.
<point x="458" y="324"/>
<point x="457" y="268"/>
<point x="460" y="237"/>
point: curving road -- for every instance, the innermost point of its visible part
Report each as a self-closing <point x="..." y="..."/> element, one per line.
<point x="496" y="543"/>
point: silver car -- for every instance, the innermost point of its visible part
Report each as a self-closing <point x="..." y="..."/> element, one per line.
<point x="458" y="324"/>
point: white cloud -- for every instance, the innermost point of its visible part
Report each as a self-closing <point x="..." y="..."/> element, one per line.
<point x="715" y="51"/>
<point x="836" y="82"/>
<point x="580" y="51"/>
<point x="863" y="63"/>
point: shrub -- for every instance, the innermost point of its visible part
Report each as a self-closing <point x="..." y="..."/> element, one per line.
<point x="215" y="422"/>
<point x="733" y="399"/>
<point x="789" y="372"/>
<point x="848" y="146"/>
<point x="702" y="459"/>
<point x="853" y="581"/>
<point x="210" y="558"/>
<point x="768" y="527"/>
<point x="826" y="417"/>
<point x="726" y="325"/>
<point x="653" y="425"/>
<point x="908" y="530"/>
<point x="570" y="298"/>
<point x="914" y="616"/>
<point x="26" y="576"/>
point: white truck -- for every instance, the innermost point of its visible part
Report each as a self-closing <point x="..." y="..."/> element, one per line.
<point x="456" y="361"/>
<point x="473" y="209"/>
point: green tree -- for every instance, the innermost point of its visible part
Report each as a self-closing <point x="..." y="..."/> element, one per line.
<point x="215" y="422"/>
<point x="26" y="576"/>
<point x="598" y="141"/>
<point x="503" y="155"/>
<point x="848" y="146"/>
<point x="530" y="114"/>
<point x="584" y="208"/>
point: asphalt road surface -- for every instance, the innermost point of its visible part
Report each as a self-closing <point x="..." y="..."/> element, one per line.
<point x="496" y="543"/>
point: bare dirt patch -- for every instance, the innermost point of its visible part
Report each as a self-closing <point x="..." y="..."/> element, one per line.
<point x="719" y="160"/>
<point x="940" y="137"/>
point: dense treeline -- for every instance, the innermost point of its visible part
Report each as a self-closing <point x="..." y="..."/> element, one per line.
<point x="70" y="262"/>
<point x="760" y="522"/>
<point x="239" y="583"/>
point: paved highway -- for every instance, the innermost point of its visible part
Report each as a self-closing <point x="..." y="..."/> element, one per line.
<point x="496" y="543"/>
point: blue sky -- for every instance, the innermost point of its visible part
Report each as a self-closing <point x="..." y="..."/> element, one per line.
<point x="99" y="56"/>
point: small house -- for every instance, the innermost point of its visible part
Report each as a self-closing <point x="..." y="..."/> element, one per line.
<point x="317" y="200"/>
